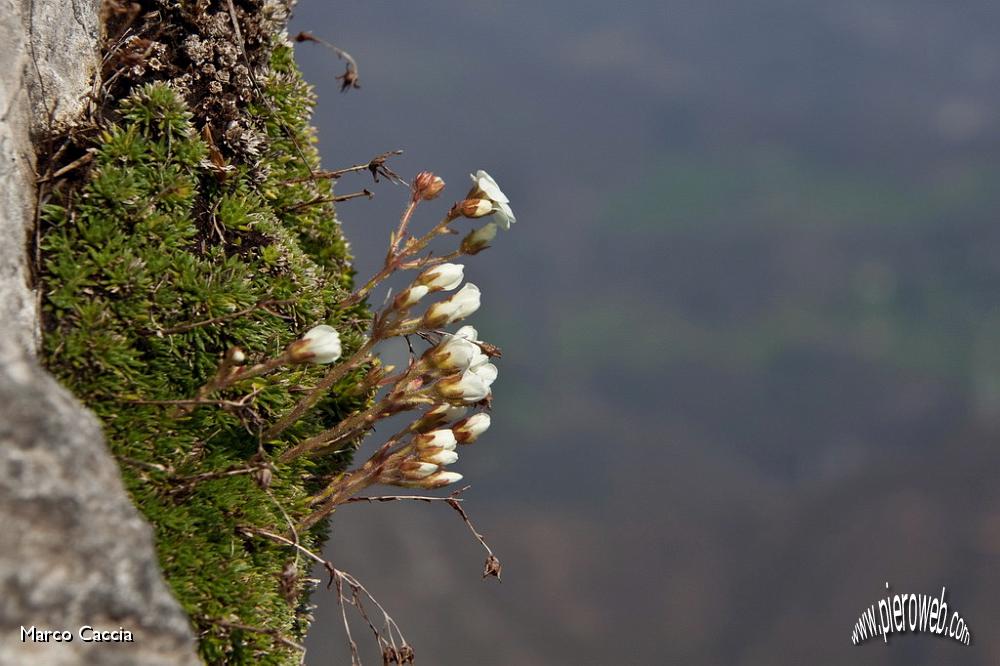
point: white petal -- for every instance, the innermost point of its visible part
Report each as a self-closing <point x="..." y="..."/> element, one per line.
<point x="412" y="295"/>
<point x="503" y="215"/>
<point x="478" y="360"/>
<point x="441" y="479"/>
<point x="467" y="332"/>
<point x="487" y="372"/>
<point x="441" y="458"/>
<point x="323" y="343"/>
<point x="489" y="187"/>
<point x="466" y="301"/>
<point x="468" y="430"/>
<point x="443" y="277"/>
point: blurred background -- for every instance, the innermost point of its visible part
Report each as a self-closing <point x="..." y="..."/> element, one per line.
<point x="749" y="315"/>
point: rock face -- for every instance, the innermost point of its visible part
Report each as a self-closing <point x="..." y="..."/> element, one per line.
<point x="74" y="551"/>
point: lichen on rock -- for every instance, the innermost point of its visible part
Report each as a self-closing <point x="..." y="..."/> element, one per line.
<point x="174" y="244"/>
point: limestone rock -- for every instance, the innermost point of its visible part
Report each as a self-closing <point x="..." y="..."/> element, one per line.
<point x="75" y="551"/>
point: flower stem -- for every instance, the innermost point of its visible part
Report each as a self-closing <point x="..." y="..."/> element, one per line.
<point x="311" y="398"/>
<point x="394" y="260"/>
<point x="354" y="424"/>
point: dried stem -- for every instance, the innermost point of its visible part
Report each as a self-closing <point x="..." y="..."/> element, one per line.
<point x="337" y="579"/>
<point x="353" y="425"/>
<point x="206" y="476"/>
<point x="340" y="490"/>
<point x="242" y="402"/>
<point x="400" y="498"/>
<point x="376" y="166"/>
<point x="349" y="79"/>
<point x="492" y="567"/>
<point x="318" y="200"/>
<point x="85" y="159"/>
<point x="395" y="259"/>
<point x="260" y="305"/>
<point x="274" y="633"/>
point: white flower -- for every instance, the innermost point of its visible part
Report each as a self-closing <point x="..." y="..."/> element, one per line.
<point x="486" y="372"/>
<point x="441" y="479"/>
<point x="483" y="182"/>
<point x="472" y="335"/>
<point x="440" y="457"/>
<point x="437" y="439"/>
<point x="453" y="354"/>
<point x="467" y="387"/>
<point x="320" y="344"/>
<point x="468" y="430"/>
<point x="411" y="295"/>
<point x="462" y="304"/>
<point x="484" y="187"/>
<point x="443" y="277"/>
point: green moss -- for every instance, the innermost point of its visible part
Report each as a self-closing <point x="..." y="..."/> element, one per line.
<point x="153" y="239"/>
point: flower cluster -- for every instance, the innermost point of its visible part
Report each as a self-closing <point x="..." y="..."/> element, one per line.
<point x="453" y="375"/>
<point x="464" y="376"/>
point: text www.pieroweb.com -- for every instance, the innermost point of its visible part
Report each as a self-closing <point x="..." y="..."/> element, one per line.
<point x="916" y="613"/>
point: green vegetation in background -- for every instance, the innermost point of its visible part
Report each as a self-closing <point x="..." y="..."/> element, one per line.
<point x="894" y="279"/>
<point x="773" y="190"/>
<point x="152" y="239"/>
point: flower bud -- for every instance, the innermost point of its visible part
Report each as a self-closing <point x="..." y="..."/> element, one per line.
<point x="448" y="412"/>
<point x="426" y="186"/>
<point x="462" y="304"/>
<point x="439" y="457"/>
<point x="474" y="207"/>
<point x="416" y="469"/>
<point x="320" y="344"/>
<point x="441" y="479"/>
<point x="436" y="439"/>
<point x="263" y="476"/>
<point x="442" y="413"/>
<point x="468" y="430"/>
<point x="443" y="277"/>
<point x="410" y="296"/>
<point x="479" y="239"/>
<point x="454" y="354"/>
<point x="467" y="387"/>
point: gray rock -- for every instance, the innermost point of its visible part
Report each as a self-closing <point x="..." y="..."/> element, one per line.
<point x="74" y="551"/>
<point x="47" y="67"/>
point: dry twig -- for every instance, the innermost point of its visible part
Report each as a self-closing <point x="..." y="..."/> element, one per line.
<point x="264" y="305"/>
<point x="401" y="651"/>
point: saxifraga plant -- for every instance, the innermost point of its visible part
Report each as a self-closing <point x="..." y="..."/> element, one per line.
<point x="197" y="295"/>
